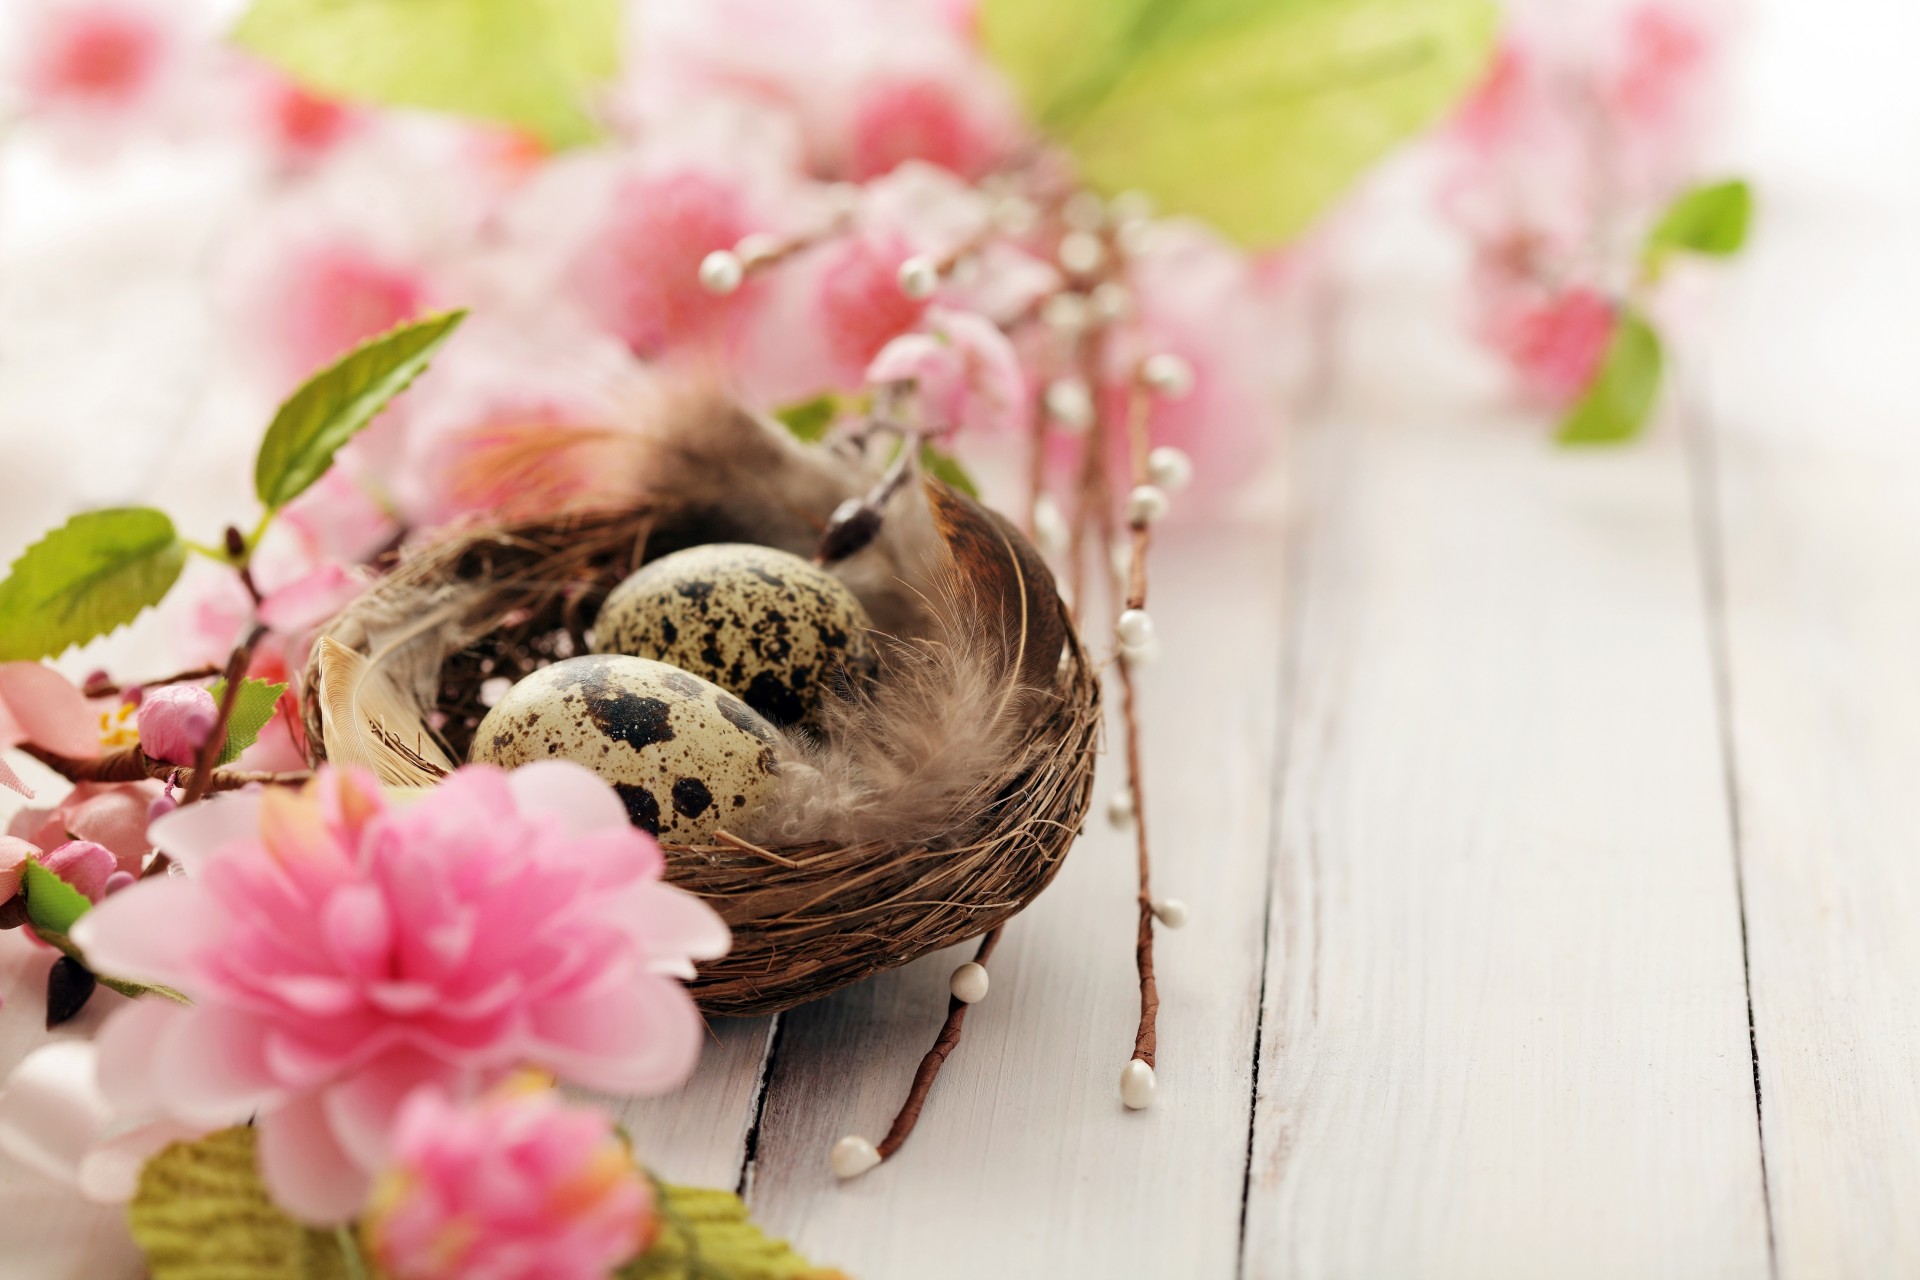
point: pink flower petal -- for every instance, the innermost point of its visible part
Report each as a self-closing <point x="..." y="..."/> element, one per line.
<point x="578" y="796"/>
<point x="675" y="928"/>
<point x="129" y="1042"/>
<point x="12" y="780"/>
<point x="41" y="706"/>
<point x="638" y="1036"/>
<point x="307" y="1172"/>
<point x="192" y="835"/>
<point x="152" y="931"/>
<point x="117" y="818"/>
<point x="210" y="1066"/>
<point x="110" y="1171"/>
<point x="51" y="1112"/>
<point x="13" y="854"/>
<point x="361" y="1110"/>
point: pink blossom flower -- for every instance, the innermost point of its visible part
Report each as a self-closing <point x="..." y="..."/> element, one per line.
<point x="110" y="814"/>
<point x="861" y="306"/>
<point x="175" y="722"/>
<point x="517" y="1186"/>
<point x="1556" y="343"/>
<point x="84" y="865"/>
<point x="341" y="952"/>
<point x="901" y="118"/>
<point x="103" y="57"/>
<point x="962" y="370"/>
<point x="301" y="126"/>
<point x="334" y="294"/>
<point x="41" y="706"/>
<point x="640" y="275"/>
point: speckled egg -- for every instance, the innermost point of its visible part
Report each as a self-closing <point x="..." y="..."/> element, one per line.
<point x="687" y="756"/>
<point x="763" y="624"/>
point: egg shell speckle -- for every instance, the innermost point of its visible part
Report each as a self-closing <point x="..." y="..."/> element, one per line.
<point x="686" y="756"/>
<point x="764" y="624"/>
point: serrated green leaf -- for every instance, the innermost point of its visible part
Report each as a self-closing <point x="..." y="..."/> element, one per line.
<point x="201" y="1214"/>
<point x="705" y="1235"/>
<point x="253" y="706"/>
<point x="336" y="403"/>
<point x="809" y="420"/>
<point x="946" y="467"/>
<point x="91" y="575"/>
<point x="1710" y="219"/>
<point x="52" y="904"/>
<point x="532" y="64"/>
<point x="1616" y="407"/>
<point x="1252" y="114"/>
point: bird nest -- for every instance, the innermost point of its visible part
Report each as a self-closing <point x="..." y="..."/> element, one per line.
<point x="809" y="914"/>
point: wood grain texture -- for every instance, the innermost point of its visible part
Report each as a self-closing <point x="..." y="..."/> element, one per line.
<point x="697" y="1135"/>
<point x="1817" y="484"/>
<point x="1505" y="1020"/>
<point x="1024" y="1162"/>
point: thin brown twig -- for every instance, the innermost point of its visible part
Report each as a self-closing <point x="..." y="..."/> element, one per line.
<point x="236" y="672"/>
<point x="106" y="687"/>
<point x="134" y="765"/>
<point x="935" y="1058"/>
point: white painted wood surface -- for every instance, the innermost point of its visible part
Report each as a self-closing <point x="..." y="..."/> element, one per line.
<point x="1500" y="781"/>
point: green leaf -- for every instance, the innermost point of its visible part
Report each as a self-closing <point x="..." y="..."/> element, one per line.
<point x="52" y="904"/>
<point x="1711" y="219"/>
<point x="1617" y="405"/>
<point x="92" y="574"/>
<point x="532" y="64"/>
<point x="252" y="708"/>
<point x="337" y="402"/>
<point x="705" y="1235"/>
<point x="1253" y="114"/>
<point x="809" y="420"/>
<point x="946" y="467"/>
<point x="201" y="1214"/>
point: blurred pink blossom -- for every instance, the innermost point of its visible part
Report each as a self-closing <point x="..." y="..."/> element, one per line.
<point x="299" y="125"/>
<point x="333" y="295"/>
<point x="14" y="853"/>
<point x="175" y="720"/>
<point x="962" y="370"/>
<point x="519" y="1185"/>
<point x="640" y="275"/>
<point x="859" y="303"/>
<point x="1555" y="342"/>
<point x="341" y="953"/>
<point x="103" y="58"/>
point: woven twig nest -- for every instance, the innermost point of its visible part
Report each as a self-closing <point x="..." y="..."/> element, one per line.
<point x="808" y="915"/>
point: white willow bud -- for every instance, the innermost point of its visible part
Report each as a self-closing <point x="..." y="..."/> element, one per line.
<point x="919" y="277"/>
<point x="1065" y="312"/>
<point x="1145" y="505"/>
<point x="1111" y="301"/>
<point x="721" y="272"/>
<point x="1170" y="468"/>
<point x="1070" y="404"/>
<point x="1049" y="526"/>
<point x="1120" y="808"/>
<point x="1015" y="216"/>
<point x="1136" y="1085"/>
<point x="1167" y="374"/>
<point x="969" y="983"/>
<point x="1081" y="252"/>
<point x="853" y="1156"/>
<point x="1170" y="912"/>
<point x="1135" y="628"/>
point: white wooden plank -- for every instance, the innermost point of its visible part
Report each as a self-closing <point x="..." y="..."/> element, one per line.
<point x="1505" y="1027"/>
<point x="1024" y="1162"/>
<point x="1818" y="470"/>
<point x="697" y="1135"/>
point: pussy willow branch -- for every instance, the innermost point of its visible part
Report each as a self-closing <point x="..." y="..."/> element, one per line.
<point x="935" y="1058"/>
<point x="1146" y="1038"/>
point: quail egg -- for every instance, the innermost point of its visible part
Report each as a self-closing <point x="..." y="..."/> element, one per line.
<point x="763" y="624"/>
<point x="687" y="756"/>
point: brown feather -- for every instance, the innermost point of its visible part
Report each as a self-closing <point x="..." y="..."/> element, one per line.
<point x="915" y="757"/>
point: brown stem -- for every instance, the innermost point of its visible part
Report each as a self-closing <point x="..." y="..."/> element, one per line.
<point x="203" y="762"/>
<point x="134" y="765"/>
<point x="106" y="688"/>
<point x="936" y="1057"/>
<point x="857" y="523"/>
